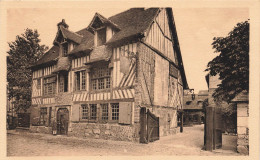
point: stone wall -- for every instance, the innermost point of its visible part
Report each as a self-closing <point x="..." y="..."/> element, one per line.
<point x="41" y="129"/>
<point x="242" y="128"/>
<point x="105" y="131"/>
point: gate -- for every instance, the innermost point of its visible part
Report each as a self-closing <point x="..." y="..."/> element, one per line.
<point x="62" y="121"/>
<point x="149" y="124"/>
<point x="152" y="127"/>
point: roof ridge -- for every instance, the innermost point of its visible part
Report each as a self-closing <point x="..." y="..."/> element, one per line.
<point x="124" y="12"/>
<point x="72" y="32"/>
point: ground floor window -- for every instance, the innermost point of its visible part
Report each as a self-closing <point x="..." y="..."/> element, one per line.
<point x="84" y="108"/>
<point x="93" y="111"/>
<point x="100" y="112"/>
<point x="104" y="110"/>
<point x="43" y="116"/>
<point x="115" y="111"/>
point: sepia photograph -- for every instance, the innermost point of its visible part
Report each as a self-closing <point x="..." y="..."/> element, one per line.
<point x="113" y="79"/>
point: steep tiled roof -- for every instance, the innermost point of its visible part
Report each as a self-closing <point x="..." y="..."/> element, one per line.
<point x="103" y="19"/>
<point x="63" y="64"/>
<point x="87" y="42"/>
<point x="51" y="55"/>
<point x="132" y="22"/>
<point x="100" y="53"/>
<point x="71" y="35"/>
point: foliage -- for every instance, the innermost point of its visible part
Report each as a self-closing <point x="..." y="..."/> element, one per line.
<point x="232" y="64"/>
<point x="23" y="52"/>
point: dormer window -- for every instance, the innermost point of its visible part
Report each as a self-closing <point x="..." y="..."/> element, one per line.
<point x="101" y="36"/>
<point x="65" y="48"/>
<point x="102" y="28"/>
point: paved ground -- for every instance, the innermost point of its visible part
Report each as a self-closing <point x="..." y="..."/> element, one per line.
<point x="189" y="142"/>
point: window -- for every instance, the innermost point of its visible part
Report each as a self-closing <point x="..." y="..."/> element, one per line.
<point x="100" y="78"/>
<point x="43" y="115"/>
<point x="63" y="82"/>
<point x="104" y="109"/>
<point x="38" y="83"/>
<point x="83" y="77"/>
<point x="80" y="80"/>
<point x="93" y="111"/>
<point x="65" y="49"/>
<point x="101" y="36"/>
<point x="49" y="86"/>
<point x="85" y="112"/>
<point x="115" y="111"/>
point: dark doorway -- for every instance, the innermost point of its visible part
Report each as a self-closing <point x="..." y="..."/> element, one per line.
<point x="62" y="121"/>
<point x="24" y="120"/>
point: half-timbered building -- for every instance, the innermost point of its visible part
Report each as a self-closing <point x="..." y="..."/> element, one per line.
<point x="95" y="82"/>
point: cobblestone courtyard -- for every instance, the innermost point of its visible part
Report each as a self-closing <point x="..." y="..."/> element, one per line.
<point x="189" y="142"/>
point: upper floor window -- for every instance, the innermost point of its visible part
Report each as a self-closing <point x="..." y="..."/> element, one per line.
<point x="49" y="86"/>
<point x="39" y="83"/>
<point x="100" y="78"/>
<point x="101" y="36"/>
<point x="80" y="80"/>
<point x="63" y="82"/>
<point x="65" y="48"/>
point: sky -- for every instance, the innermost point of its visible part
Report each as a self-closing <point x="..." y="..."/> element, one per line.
<point x="196" y="28"/>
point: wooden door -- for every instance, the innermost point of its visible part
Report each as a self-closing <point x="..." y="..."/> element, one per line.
<point x="213" y="128"/>
<point x="152" y="127"/>
<point x="217" y="128"/>
<point x="149" y="126"/>
<point x="62" y="121"/>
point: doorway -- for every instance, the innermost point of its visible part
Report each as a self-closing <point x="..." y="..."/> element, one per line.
<point x="62" y="121"/>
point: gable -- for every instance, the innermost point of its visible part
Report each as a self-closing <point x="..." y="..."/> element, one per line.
<point x="159" y="36"/>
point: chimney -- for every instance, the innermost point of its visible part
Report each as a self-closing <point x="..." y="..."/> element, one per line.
<point x="63" y="23"/>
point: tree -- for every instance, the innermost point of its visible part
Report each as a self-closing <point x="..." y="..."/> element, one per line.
<point x="232" y="64"/>
<point x="23" y="52"/>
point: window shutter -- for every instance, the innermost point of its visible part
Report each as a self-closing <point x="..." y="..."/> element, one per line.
<point x="75" y="113"/>
<point x="125" y="112"/>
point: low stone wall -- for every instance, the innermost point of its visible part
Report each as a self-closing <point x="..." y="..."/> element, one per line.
<point x="242" y="122"/>
<point x="105" y="131"/>
<point x="242" y="128"/>
<point x="41" y="129"/>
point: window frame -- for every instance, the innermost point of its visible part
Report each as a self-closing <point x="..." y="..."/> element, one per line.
<point x="106" y="118"/>
<point x="100" y="76"/>
<point x="38" y="86"/>
<point x="47" y="84"/>
<point x="99" y="114"/>
<point x="82" y="113"/>
<point x="117" y="113"/>
<point x="82" y="80"/>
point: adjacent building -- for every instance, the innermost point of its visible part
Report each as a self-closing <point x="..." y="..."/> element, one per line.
<point x="193" y="112"/>
<point x="93" y="82"/>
